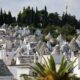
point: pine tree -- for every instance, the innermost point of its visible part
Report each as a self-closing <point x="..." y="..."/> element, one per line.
<point x="19" y="18"/>
<point x="9" y="18"/>
<point x="1" y="17"/>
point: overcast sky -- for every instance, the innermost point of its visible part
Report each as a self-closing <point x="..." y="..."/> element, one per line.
<point x="52" y="5"/>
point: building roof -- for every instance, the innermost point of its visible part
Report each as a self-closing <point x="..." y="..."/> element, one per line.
<point x="73" y="45"/>
<point x="44" y="49"/>
<point x="48" y="36"/>
<point x="4" y="71"/>
<point x="78" y="38"/>
<point x="32" y="38"/>
<point x="60" y="38"/>
<point x="39" y="44"/>
<point x="52" y="40"/>
<point x="4" y="25"/>
<point x="65" y="47"/>
<point x="56" y="50"/>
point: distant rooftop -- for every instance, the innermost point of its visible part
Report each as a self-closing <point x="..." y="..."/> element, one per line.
<point x="4" y="71"/>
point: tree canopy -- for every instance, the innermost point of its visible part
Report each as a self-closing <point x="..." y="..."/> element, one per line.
<point x="38" y="18"/>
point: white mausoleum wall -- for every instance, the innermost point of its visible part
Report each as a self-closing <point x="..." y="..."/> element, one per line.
<point x="18" y="70"/>
<point x="6" y="78"/>
<point x="13" y="70"/>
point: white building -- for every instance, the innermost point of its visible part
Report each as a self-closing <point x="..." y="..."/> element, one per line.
<point x="20" y="49"/>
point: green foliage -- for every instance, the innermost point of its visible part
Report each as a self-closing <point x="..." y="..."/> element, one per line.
<point x="27" y="77"/>
<point x="68" y="30"/>
<point x="6" y="18"/>
<point x="69" y="19"/>
<point x="48" y="70"/>
<point x="48" y="22"/>
<point x="54" y="19"/>
<point x="41" y="18"/>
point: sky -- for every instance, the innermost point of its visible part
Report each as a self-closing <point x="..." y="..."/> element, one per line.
<point x="52" y="6"/>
